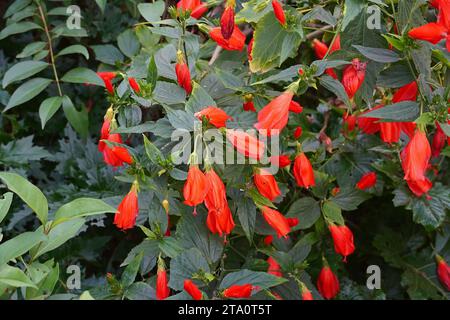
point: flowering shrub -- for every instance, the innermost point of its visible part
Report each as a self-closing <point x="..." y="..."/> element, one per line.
<point x="248" y="150"/>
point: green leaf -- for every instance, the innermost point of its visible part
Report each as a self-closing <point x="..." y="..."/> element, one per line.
<point x="78" y="119"/>
<point x="180" y="119"/>
<point x="76" y="48"/>
<point x="16" y="7"/>
<point x="307" y="210"/>
<point x="14" y="277"/>
<point x="152" y="12"/>
<point x="319" y="13"/>
<point x="170" y="247"/>
<point x="169" y="93"/>
<point x="185" y="266"/>
<point x="5" y="204"/>
<point x="79" y="208"/>
<point x="101" y="4"/>
<point x="395" y="76"/>
<point x="107" y="53"/>
<point x="404" y="111"/>
<point x="23" y="70"/>
<point x="83" y="75"/>
<point x="260" y="279"/>
<point x="130" y="272"/>
<point x="193" y="233"/>
<point x="246" y="211"/>
<point x="269" y="39"/>
<point x="336" y="87"/>
<point x="32" y="49"/>
<point x="199" y="99"/>
<point x="59" y="235"/>
<point x="332" y="212"/>
<point x="378" y="54"/>
<point x="27" y="91"/>
<point x="19" y="245"/>
<point x="128" y="43"/>
<point x="16" y="28"/>
<point x="28" y="192"/>
<point x="140" y="291"/>
<point x="48" y="108"/>
<point x="431" y="212"/>
<point x="153" y="153"/>
<point x="349" y="199"/>
<point x="152" y="73"/>
<point x="352" y="9"/>
<point x="284" y="75"/>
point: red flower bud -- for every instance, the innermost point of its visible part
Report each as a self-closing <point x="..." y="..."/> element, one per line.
<point x="107" y="78"/>
<point x="162" y="289"/>
<point x="196" y="7"/>
<point x="306" y="294"/>
<point x="279" y="13"/>
<point x="238" y="291"/>
<point x="292" y="222"/>
<point x="295" y="107"/>
<point x="183" y="74"/>
<point x="439" y="140"/>
<point x="343" y="240"/>
<point x="192" y="289"/>
<point x="282" y="161"/>
<point x="227" y="22"/>
<point x="298" y="132"/>
<point x="303" y="171"/>
<point x="350" y="122"/>
<point x="327" y="283"/>
<point x="443" y="271"/>
<point x="266" y="184"/>
<point x="134" y="85"/>
<point x="268" y="240"/>
<point x="277" y="221"/>
<point x="367" y="181"/>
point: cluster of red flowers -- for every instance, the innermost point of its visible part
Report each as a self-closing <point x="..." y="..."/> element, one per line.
<point x="208" y="187"/>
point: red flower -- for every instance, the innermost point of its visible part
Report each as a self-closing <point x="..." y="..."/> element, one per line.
<point x="235" y="42"/>
<point x="248" y="103"/>
<point x="220" y="219"/>
<point x="320" y="49"/>
<point x="162" y="289"/>
<point x="416" y="157"/>
<point x="298" y="132"/>
<point x="343" y="240"/>
<point x="238" y="291"/>
<point x="303" y="171"/>
<point x="183" y="73"/>
<point x="268" y="240"/>
<point x="193" y="290"/>
<point x="415" y="160"/>
<point x="443" y="271"/>
<point x="282" y="161"/>
<point x="295" y="107"/>
<point x="369" y="125"/>
<point x="406" y="93"/>
<point x="274" y="267"/>
<point x="367" y="181"/>
<point x="306" y="294"/>
<point x="217" y="117"/>
<point x="266" y="184"/>
<point x="227" y="21"/>
<point x="196" y="7"/>
<point x="439" y="140"/>
<point x="249" y="50"/>
<point x="274" y="116"/>
<point x="419" y="187"/>
<point x="350" y="122"/>
<point x="432" y="32"/>
<point x="134" y="85"/>
<point x="196" y="187"/>
<point x="327" y="283"/>
<point x="279" y="13"/>
<point x="128" y="210"/>
<point x="104" y="133"/>
<point x="116" y="156"/>
<point x="292" y="222"/>
<point x="246" y="144"/>
<point x="353" y="77"/>
<point x="277" y="221"/>
<point x="107" y="77"/>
